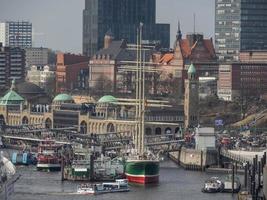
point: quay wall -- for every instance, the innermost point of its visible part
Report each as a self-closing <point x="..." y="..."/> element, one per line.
<point x="193" y="159"/>
<point x="265" y="182"/>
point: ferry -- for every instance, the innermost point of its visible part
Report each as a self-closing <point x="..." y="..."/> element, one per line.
<point x="213" y="185"/>
<point x="120" y="185"/>
<point x="48" y="158"/>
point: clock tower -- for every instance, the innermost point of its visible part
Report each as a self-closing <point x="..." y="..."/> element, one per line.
<point x="191" y="98"/>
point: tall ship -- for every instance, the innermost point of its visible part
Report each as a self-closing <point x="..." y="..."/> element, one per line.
<point x="142" y="171"/>
<point x="48" y="157"/>
<point x="141" y="167"/>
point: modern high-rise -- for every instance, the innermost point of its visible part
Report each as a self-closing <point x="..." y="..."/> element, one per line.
<point x="240" y="25"/>
<point x="16" y="34"/>
<point x="121" y="17"/>
<point x="12" y="65"/>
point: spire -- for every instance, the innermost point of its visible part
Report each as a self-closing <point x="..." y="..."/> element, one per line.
<point x="13" y="84"/>
<point x="179" y="32"/>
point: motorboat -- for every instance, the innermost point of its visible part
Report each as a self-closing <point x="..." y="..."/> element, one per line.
<point x="213" y="185"/>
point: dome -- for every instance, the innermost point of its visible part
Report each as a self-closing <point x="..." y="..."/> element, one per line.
<point x="107" y="99"/>
<point x="63" y="98"/>
<point x="191" y="69"/>
<point x="11" y="98"/>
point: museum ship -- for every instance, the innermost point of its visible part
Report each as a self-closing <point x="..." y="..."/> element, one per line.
<point x="143" y="168"/>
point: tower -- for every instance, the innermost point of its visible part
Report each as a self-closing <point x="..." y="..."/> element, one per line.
<point x="179" y="32"/>
<point x="191" y="99"/>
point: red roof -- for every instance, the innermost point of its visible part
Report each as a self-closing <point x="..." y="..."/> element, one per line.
<point x="166" y="58"/>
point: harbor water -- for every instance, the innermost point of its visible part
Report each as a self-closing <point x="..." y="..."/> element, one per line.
<point x="175" y="183"/>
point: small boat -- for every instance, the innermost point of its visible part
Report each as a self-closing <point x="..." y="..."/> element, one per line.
<point x="213" y="185"/>
<point x="48" y="157"/>
<point x="228" y="184"/>
<point x="23" y="158"/>
<point x="120" y="185"/>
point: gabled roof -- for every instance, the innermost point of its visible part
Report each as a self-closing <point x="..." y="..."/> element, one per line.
<point x="187" y="48"/>
<point x="115" y="48"/>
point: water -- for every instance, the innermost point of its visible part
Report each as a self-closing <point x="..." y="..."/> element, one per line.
<point x="175" y="184"/>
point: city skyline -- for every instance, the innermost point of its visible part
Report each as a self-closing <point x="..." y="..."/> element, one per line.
<point x="61" y="29"/>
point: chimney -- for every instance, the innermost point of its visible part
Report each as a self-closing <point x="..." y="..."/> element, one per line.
<point x="108" y="39"/>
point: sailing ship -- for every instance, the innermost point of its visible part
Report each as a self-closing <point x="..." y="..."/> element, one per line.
<point x="141" y="168"/>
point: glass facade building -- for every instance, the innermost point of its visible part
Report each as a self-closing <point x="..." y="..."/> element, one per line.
<point x="122" y="17"/>
<point x="240" y="25"/>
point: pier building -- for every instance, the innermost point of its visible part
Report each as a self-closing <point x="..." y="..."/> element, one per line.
<point x="108" y="114"/>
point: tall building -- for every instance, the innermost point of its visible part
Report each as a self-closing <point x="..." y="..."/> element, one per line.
<point x="122" y="17"/>
<point x="12" y="65"/>
<point x="36" y="56"/>
<point x="240" y="25"/>
<point x="245" y="79"/>
<point x="191" y="98"/>
<point x="16" y="33"/>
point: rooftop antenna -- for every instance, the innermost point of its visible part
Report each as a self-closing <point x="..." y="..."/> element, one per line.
<point x="194" y="23"/>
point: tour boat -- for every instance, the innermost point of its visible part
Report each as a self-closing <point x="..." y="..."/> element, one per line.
<point x="120" y="185"/>
<point x="213" y="185"/>
<point x="142" y="171"/>
<point x="48" y="158"/>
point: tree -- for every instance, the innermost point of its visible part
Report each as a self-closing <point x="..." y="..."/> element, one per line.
<point x="103" y="85"/>
<point x="50" y="85"/>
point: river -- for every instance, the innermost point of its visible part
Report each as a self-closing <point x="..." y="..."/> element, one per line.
<point x="175" y="184"/>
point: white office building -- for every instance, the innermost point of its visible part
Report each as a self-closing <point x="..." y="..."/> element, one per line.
<point x="16" y="34"/>
<point x="40" y="76"/>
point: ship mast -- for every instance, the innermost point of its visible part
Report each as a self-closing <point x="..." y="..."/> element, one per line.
<point x="140" y="93"/>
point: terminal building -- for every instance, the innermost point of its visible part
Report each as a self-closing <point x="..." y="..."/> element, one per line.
<point x="108" y="114"/>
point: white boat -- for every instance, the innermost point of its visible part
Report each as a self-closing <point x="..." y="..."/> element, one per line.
<point x="212" y="185"/>
<point x="228" y="184"/>
<point x="120" y="185"/>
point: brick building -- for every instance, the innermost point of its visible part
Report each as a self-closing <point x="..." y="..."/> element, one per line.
<point x="104" y="67"/>
<point x="246" y="78"/>
<point x="71" y="72"/>
<point x="192" y="49"/>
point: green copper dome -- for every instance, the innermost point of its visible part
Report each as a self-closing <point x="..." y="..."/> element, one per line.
<point x="11" y="98"/>
<point x="63" y="98"/>
<point x="191" y="69"/>
<point x="107" y="99"/>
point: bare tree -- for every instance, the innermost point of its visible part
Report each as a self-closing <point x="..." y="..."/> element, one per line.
<point x="103" y="84"/>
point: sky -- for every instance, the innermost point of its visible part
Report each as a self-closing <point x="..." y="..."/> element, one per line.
<point x="57" y="24"/>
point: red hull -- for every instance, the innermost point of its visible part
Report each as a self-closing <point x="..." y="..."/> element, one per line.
<point x="143" y="179"/>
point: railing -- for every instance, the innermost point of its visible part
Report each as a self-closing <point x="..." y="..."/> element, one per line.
<point x="238" y="158"/>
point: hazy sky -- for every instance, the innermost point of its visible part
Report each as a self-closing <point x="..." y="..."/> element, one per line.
<point x="58" y="23"/>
